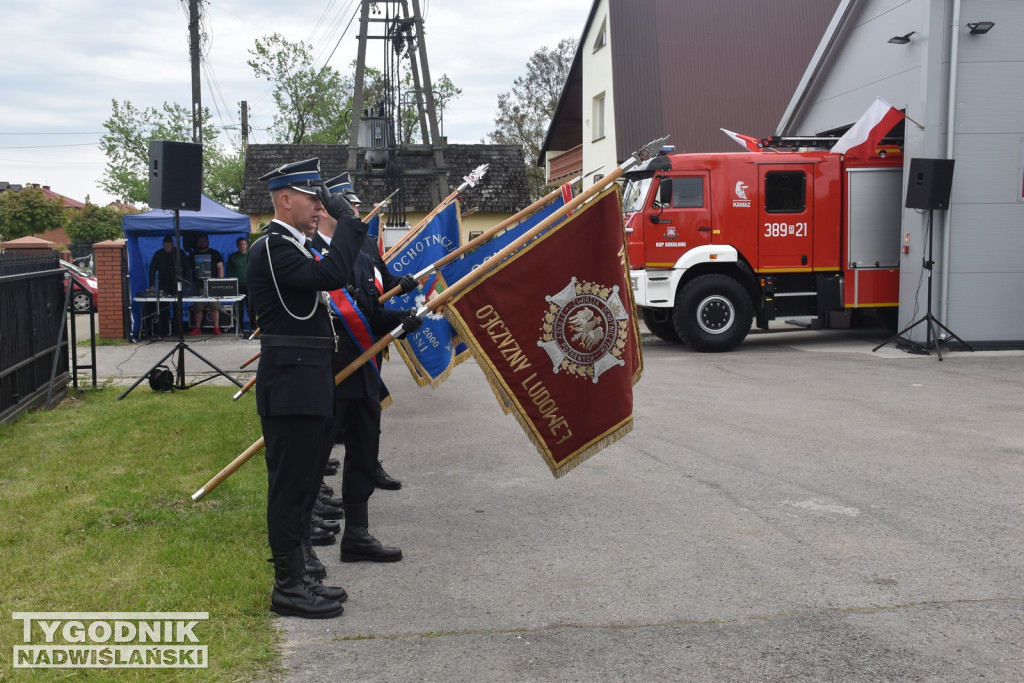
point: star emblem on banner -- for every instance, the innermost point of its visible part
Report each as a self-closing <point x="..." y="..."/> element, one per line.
<point x="585" y="329"/>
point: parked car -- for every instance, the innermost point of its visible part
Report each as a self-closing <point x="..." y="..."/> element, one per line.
<point x="81" y="301"/>
<point x="84" y="262"/>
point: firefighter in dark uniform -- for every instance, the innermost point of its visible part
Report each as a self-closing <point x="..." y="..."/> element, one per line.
<point x="295" y="383"/>
<point x="388" y="281"/>
<point x="359" y="321"/>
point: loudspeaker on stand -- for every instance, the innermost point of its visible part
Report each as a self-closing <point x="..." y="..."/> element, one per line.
<point x="175" y="175"/>
<point x="930" y="183"/>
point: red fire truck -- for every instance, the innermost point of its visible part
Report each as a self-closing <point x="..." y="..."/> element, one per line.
<point x="719" y="241"/>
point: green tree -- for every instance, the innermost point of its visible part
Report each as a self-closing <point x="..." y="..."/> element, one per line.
<point x="525" y="112"/>
<point x="29" y="212"/>
<point x="222" y="178"/>
<point x="94" y="224"/>
<point x="126" y="145"/>
<point x="310" y="101"/>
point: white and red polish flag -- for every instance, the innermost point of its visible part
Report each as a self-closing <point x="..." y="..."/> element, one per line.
<point x="865" y="135"/>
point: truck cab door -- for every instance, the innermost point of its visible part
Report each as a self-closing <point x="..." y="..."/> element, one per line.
<point x="679" y="218"/>
<point x="786" y="217"/>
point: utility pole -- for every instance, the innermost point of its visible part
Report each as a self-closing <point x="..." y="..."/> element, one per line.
<point x="400" y="28"/>
<point x="194" y="55"/>
<point x="245" y="125"/>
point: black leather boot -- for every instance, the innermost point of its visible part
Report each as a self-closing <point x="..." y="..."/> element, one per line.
<point x="357" y="545"/>
<point x="326" y="524"/>
<point x="383" y="480"/>
<point x="332" y="501"/>
<point x="292" y="596"/>
<point x="317" y="587"/>
<point x="313" y="566"/>
<point x="318" y="536"/>
<point x="320" y="507"/>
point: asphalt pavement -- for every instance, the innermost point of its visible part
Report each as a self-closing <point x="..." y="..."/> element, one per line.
<point x="799" y="509"/>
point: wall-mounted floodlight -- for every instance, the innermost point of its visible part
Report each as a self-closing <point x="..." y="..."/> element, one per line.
<point x="980" y="28"/>
<point x="901" y="40"/>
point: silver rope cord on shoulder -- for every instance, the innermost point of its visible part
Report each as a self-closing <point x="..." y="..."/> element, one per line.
<point x="316" y="296"/>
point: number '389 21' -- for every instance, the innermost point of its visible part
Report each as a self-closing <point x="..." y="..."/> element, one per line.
<point x="785" y="230"/>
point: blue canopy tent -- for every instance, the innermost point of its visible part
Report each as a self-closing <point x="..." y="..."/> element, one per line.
<point x="144" y="235"/>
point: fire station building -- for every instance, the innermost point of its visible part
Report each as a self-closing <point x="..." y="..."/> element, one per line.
<point x="955" y="68"/>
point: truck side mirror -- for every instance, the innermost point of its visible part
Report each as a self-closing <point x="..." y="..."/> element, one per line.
<point x="665" y="192"/>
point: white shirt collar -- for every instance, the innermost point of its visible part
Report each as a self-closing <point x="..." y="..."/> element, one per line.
<point x="324" y="237"/>
<point x="294" y="232"/>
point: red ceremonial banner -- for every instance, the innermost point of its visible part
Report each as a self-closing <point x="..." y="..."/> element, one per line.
<point x="553" y="328"/>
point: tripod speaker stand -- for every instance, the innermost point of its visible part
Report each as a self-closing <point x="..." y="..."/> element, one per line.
<point x="928" y="188"/>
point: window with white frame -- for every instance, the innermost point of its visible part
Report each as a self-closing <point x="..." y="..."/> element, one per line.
<point x="602" y="36"/>
<point x="597" y="120"/>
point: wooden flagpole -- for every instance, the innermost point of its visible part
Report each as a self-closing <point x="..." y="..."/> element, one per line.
<point x="468" y="181"/>
<point x="478" y="240"/>
<point x="442" y="298"/>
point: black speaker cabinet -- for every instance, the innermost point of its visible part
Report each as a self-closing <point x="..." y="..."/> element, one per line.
<point x="929" y="184"/>
<point x="175" y="175"/>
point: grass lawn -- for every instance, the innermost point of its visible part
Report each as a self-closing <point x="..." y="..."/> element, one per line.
<point x="96" y="516"/>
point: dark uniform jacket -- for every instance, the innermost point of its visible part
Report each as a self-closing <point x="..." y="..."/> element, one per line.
<point x="297" y="380"/>
<point x="389" y="279"/>
<point x="366" y="381"/>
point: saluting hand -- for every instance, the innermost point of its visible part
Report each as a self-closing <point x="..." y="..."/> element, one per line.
<point x="335" y="204"/>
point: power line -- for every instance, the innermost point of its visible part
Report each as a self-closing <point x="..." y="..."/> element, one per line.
<point x="60" y="163"/>
<point x="77" y="144"/>
<point x="215" y="91"/>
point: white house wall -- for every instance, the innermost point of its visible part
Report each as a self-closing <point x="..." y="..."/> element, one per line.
<point x="597" y="78"/>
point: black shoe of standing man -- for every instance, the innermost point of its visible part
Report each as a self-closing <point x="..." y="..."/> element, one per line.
<point x="383" y="480"/>
<point x="327" y="511"/>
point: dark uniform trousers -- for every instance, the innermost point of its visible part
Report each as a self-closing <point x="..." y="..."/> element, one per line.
<point x="294" y="444"/>
<point x="294" y="383"/>
<point x="358" y="418"/>
<point x="357" y="399"/>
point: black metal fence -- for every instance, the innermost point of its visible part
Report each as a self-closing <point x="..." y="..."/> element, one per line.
<point x="34" y="358"/>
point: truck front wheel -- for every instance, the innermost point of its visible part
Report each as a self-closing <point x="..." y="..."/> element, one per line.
<point x="713" y="313"/>
<point x="659" y="322"/>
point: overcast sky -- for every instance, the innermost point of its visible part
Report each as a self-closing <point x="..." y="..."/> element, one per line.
<point x="65" y="60"/>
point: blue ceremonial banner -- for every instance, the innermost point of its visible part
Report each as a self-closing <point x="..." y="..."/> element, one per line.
<point x="373" y="231"/>
<point x="462" y="266"/>
<point x="430" y="352"/>
<point x="373" y="227"/>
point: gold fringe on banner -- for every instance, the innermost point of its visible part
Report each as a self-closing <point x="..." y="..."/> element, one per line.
<point x="418" y="372"/>
<point x="510" y="405"/>
<point x="585" y="455"/>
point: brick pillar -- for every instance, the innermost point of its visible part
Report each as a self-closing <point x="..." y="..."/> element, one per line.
<point x="107" y="268"/>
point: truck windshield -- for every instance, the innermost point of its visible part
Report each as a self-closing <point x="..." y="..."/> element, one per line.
<point x="635" y="192"/>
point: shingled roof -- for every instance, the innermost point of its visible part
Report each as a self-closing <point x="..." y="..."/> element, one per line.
<point x="503" y="189"/>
